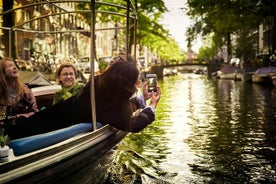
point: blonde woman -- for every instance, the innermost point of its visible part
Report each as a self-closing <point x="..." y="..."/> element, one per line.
<point x="67" y="78"/>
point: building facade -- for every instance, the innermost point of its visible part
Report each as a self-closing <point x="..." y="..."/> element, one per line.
<point x="49" y="33"/>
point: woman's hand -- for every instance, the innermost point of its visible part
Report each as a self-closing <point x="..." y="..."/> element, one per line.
<point x="155" y="97"/>
<point x="25" y="115"/>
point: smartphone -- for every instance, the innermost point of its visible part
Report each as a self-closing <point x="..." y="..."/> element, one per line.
<point x="152" y="82"/>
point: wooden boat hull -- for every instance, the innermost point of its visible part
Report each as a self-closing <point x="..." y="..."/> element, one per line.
<point x="262" y="79"/>
<point x="62" y="160"/>
<point x="58" y="162"/>
<point x="246" y="77"/>
<point x="232" y="73"/>
<point x="263" y="75"/>
<point x="230" y="76"/>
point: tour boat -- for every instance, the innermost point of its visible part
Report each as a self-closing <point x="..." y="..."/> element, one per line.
<point x="54" y="156"/>
<point x="82" y="150"/>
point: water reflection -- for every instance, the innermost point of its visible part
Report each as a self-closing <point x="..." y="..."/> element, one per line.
<point x="206" y="131"/>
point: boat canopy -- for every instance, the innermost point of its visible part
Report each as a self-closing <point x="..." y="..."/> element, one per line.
<point x="34" y="79"/>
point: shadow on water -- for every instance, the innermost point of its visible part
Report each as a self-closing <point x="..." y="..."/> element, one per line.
<point x="206" y="131"/>
<point x="132" y="167"/>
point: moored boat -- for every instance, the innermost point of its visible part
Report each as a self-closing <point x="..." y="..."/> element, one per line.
<point x="228" y="72"/>
<point x="235" y="73"/>
<point x="53" y="156"/>
<point x="246" y="74"/>
<point x="263" y="75"/>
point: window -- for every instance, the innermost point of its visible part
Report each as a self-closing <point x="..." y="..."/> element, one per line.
<point x="27" y="16"/>
<point x="47" y="25"/>
<point x="27" y="49"/>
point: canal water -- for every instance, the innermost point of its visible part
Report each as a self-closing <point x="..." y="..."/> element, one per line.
<point x="206" y="131"/>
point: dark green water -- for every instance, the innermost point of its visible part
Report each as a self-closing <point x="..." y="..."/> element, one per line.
<point x="206" y="131"/>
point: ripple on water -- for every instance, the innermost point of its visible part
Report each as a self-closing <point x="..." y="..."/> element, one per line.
<point x="206" y="131"/>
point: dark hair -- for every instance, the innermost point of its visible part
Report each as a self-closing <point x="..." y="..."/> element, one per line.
<point x="122" y="57"/>
<point x="127" y="58"/>
<point x="118" y="82"/>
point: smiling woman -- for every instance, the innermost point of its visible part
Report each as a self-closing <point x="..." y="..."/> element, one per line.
<point x="67" y="78"/>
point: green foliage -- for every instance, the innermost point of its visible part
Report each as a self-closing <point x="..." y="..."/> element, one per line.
<point x="103" y="65"/>
<point x="103" y="12"/>
<point x="1" y="141"/>
<point x="150" y="32"/>
<point x="209" y="50"/>
<point x="2" y="138"/>
<point x="228" y="17"/>
<point x="245" y="48"/>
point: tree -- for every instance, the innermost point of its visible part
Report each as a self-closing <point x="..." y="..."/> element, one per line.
<point x="150" y="32"/>
<point x="267" y="10"/>
<point x="209" y="48"/>
<point x="225" y="18"/>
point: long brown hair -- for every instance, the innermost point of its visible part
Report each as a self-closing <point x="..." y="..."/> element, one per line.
<point x="118" y="82"/>
<point x="5" y="86"/>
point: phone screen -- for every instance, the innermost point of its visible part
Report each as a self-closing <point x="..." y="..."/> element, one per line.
<point x="152" y="82"/>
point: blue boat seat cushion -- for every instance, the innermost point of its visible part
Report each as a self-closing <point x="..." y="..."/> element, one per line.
<point x="33" y="143"/>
